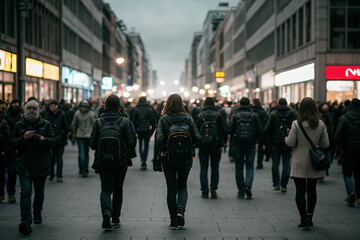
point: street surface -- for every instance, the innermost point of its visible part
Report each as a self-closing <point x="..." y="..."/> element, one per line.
<point x="72" y="208"/>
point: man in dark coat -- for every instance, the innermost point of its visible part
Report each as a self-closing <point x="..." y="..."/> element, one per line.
<point x="62" y="129"/>
<point x="144" y="121"/>
<point x="33" y="139"/>
<point x="4" y="143"/>
<point x="347" y="136"/>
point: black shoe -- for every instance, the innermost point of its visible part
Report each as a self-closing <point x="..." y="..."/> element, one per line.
<point x="248" y="191"/>
<point x="106" y="224"/>
<point x="304" y="225"/>
<point x="37" y="219"/>
<point x="213" y="194"/>
<point x="241" y="195"/>
<point x="25" y="229"/>
<point x="351" y="199"/>
<point x="309" y="220"/>
<point x="51" y="177"/>
<point x="205" y="194"/>
<point x="115" y="223"/>
<point x="180" y="220"/>
<point x="173" y="224"/>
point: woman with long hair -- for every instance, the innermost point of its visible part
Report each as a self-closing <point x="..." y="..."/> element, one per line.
<point x="176" y="134"/>
<point x="302" y="171"/>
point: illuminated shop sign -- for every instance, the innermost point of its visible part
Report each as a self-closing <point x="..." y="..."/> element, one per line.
<point x="7" y="61"/>
<point x="51" y="72"/>
<point x="300" y="74"/>
<point x="343" y="72"/>
<point x="107" y="83"/>
<point x="34" y="68"/>
<point x="220" y="77"/>
<point x="267" y="80"/>
<point x="74" y="78"/>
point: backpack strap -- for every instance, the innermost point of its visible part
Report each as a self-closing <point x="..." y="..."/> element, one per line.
<point x="305" y="134"/>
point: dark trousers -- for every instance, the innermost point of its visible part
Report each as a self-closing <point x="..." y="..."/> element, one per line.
<point x="350" y="169"/>
<point x="177" y="194"/>
<point x="57" y="160"/>
<point x="214" y="154"/>
<point x="244" y="156"/>
<point x="7" y="168"/>
<point x="26" y="184"/>
<point x="277" y="153"/>
<point x="305" y="186"/>
<point x="112" y="182"/>
<point x="83" y="158"/>
<point x="144" y="139"/>
<point x="260" y="155"/>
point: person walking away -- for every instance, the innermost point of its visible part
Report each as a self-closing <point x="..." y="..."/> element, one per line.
<point x="277" y="128"/>
<point x="246" y="128"/>
<point x="81" y="127"/>
<point x="12" y="115"/>
<point x="33" y="139"/>
<point x="4" y="143"/>
<point x="176" y="134"/>
<point x="302" y="170"/>
<point x="347" y="137"/>
<point x="61" y="129"/>
<point x="263" y="116"/>
<point x="213" y="130"/>
<point x="145" y="124"/>
<point x="111" y="135"/>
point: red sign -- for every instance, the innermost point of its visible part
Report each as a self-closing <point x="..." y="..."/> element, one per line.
<point x="343" y="72"/>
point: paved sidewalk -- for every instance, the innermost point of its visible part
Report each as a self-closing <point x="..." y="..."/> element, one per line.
<point x="72" y="208"/>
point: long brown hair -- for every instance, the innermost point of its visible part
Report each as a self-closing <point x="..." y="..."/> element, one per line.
<point x="308" y="111"/>
<point x="174" y="104"/>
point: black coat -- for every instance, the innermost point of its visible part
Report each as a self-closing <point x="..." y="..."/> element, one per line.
<point x="12" y="116"/>
<point x="4" y="134"/>
<point x="33" y="156"/>
<point x="210" y="113"/>
<point x="272" y="128"/>
<point x="262" y="114"/>
<point x="59" y="124"/>
<point x="143" y="118"/>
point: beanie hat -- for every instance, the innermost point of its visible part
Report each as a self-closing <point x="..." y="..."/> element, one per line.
<point x="112" y="102"/>
<point x="209" y="101"/>
<point x="16" y="100"/>
<point x="283" y="102"/>
<point x="355" y="102"/>
<point x="84" y="103"/>
<point x="244" y="101"/>
<point x="53" y="101"/>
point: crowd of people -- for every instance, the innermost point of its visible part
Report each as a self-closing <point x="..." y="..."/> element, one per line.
<point x="33" y="136"/>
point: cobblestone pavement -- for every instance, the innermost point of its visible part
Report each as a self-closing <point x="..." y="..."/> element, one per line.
<point x="72" y="208"/>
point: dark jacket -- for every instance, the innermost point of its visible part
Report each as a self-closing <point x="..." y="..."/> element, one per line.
<point x="272" y="128"/>
<point x="12" y="116"/>
<point x="4" y="134"/>
<point x="128" y="134"/>
<point x="162" y="129"/>
<point x="209" y="114"/>
<point x="247" y="112"/>
<point x="33" y="157"/>
<point x="143" y="118"/>
<point x="262" y="114"/>
<point x="59" y="124"/>
<point x="348" y="130"/>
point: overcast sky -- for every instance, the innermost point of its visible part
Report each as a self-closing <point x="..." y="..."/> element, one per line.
<point x="166" y="28"/>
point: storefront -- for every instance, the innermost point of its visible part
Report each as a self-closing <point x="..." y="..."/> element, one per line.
<point x="77" y="86"/>
<point x="267" y="87"/>
<point x="297" y="83"/>
<point x="342" y="83"/>
<point x="41" y="79"/>
<point x="106" y="86"/>
<point x="7" y="75"/>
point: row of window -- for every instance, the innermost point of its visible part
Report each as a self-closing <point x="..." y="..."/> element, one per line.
<point x="261" y="51"/>
<point x="259" y="18"/>
<point x="7" y="17"/>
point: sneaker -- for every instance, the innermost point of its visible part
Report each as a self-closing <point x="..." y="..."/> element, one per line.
<point x="309" y="219"/>
<point x="173" y="225"/>
<point x="37" y="219"/>
<point x="213" y="194"/>
<point x="115" y="223"/>
<point x="248" y="191"/>
<point x="12" y="199"/>
<point x="205" y="194"/>
<point x="106" y="224"/>
<point x="51" y="178"/>
<point x="143" y="166"/>
<point x="85" y="175"/>
<point x="283" y="189"/>
<point x="24" y="229"/>
<point x="351" y="199"/>
<point x="241" y="195"/>
<point x="276" y="188"/>
<point x="304" y="225"/>
<point x="59" y="179"/>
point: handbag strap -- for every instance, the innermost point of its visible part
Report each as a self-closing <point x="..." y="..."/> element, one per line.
<point x="307" y="136"/>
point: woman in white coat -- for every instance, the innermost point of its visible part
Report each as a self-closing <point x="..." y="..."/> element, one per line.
<point x="302" y="171"/>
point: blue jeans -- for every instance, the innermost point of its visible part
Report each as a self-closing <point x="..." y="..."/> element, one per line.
<point x="112" y="183"/>
<point x="83" y="159"/>
<point x="244" y="156"/>
<point x="25" y="197"/>
<point x="144" y="139"/>
<point x="350" y="169"/>
<point x="214" y="155"/>
<point x="177" y="194"/>
<point x="278" y="152"/>
<point x="58" y="153"/>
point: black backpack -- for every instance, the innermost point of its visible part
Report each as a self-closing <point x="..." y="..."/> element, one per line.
<point x="209" y="132"/>
<point x="245" y="129"/>
<point x="179" y="142"/>
<point x="285" y="126"/>
<point x="353" y="136"/>
<point x="110" y="144"/>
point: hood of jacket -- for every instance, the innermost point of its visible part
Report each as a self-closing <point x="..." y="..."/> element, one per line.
<point x="353" y="114"/>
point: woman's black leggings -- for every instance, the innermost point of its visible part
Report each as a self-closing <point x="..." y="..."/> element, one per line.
<point x="303" y="186"/>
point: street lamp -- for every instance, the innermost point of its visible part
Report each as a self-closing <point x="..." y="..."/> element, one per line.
<point x="136" y="87"/>
<point x="162" y="83"/>
<point x="202" y="91"/>
<point x="120" y="60"/>
<point x="176" y="82"/>
<point x="195" y="89"/>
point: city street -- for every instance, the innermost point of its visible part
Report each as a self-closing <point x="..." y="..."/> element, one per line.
<point x="72" y="208"/>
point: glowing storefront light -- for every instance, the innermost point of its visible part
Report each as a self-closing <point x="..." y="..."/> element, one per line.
<point x="34" y="68"/>
<point x="107" y="83"/>
<point x="51" y="72"/>
<point x="301" y="74"/>
<point x="8" y="61"/>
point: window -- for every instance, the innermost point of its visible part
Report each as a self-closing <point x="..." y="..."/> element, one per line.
<point x="259" y="18"/>
<point x="308" y="21"/>
<point x="288" y="36"/>
<point x="293" y="19"/>
<point x="301" y="27"/>
<point x="239" y="42"/>
<point x="282" y="39"/>
<point x="261" y="51"/>
<point x="239" y="68"/>
<point x="281" y="4"/>
<point x="353" y="28"/>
